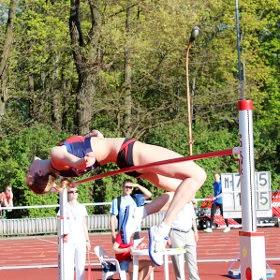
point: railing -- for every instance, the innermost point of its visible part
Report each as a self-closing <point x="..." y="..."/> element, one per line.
<point x="48" y="225"/>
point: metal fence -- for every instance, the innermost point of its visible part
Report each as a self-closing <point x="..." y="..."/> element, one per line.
<point x="48" y="225"/>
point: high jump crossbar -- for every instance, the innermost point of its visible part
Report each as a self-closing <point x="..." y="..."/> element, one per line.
<point x="226" y="152"/>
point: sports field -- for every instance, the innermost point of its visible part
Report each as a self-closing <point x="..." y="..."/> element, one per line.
<point x="42" y="251"/>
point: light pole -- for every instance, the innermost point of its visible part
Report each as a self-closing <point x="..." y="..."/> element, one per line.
<point x="193" y="36"/>
<point x="240" y="65"/>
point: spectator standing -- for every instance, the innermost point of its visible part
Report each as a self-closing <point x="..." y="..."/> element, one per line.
<point x="76" y="240"/>
<point x="184" y="234"/>
<point x="133" y="195"/>
<point x="6" y="200"/>
<point x="217" y="203"/>
<point x="6" y="197"/>
<point x="123" y="255"/>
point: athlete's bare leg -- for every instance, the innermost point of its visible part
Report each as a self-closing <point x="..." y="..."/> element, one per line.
<point x="183" y="178"/>
<point x="159" y="204"/>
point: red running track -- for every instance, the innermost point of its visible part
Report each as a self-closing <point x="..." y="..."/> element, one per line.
<point x="42" y="250"/>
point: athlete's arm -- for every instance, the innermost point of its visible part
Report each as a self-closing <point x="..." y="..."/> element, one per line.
<point x="61" y="159"/>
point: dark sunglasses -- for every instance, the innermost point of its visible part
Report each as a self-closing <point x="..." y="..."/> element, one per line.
<point x="72" y="192"/>
<point x="129" y="187"/>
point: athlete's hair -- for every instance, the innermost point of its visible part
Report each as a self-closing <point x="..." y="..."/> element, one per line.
<point x="40" y="184"/>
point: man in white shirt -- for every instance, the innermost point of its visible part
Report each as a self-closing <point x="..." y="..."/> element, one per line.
<point x="128" y="198"/>
<point x="184" y="234"/>
<point x="76" y="240"/>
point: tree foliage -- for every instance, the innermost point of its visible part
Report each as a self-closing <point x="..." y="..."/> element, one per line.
<point x="120" y="67"/>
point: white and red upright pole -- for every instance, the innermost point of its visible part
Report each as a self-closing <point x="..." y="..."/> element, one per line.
<point x="252" y="243"/>
<point x="61" y="233"/>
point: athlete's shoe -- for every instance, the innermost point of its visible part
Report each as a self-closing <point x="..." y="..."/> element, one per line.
<point x="157" y="243"/>
<point x="131" y="221"/>
<point x="227" y="229"/>
<point x="209" y="230"/>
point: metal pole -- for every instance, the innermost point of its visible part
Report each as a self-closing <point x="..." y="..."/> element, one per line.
<point x="238" y="46"/>
<point x="252" y="243"/>
<point x="247" y="166"/>
<point x="189" y="99"/>
<point x="61" y="233"/>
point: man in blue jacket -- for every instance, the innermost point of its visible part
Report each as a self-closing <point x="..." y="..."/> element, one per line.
<point x="217" y="203"/>
<point x="132" y="195"/>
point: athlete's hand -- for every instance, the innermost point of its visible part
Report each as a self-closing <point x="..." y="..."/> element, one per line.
<point x="94" y="133"/>
<point x="90" y="160"/>
<point x="65" y="183"/>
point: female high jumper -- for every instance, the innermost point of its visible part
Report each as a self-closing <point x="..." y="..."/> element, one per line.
<point x="80" y="154"/>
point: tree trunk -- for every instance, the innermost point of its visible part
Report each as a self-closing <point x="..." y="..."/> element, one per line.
<point x="127" y="77"/>
<point x="4" y="57"/>
<point x="86" y="56"/>
<point x="56" y="98"/>
<point x="56" y="110"/>
<point x="3" y="93"/>
<point x="84" y="99"/>
<point x="66" y="96"/>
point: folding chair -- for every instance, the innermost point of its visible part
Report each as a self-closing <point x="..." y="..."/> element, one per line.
<point x="110" y="266"/>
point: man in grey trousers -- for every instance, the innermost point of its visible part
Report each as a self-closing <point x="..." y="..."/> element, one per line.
<point x="184" y="234"/>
